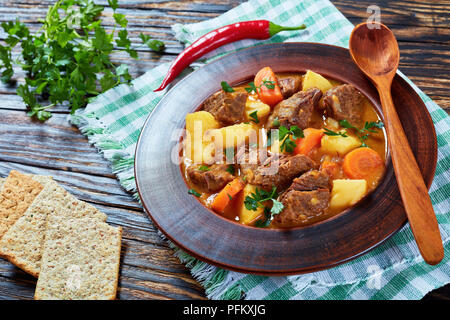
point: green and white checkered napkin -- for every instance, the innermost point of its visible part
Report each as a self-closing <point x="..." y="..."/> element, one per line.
<point x="394" y="270"/>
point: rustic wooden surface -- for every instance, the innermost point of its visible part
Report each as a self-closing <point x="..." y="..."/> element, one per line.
<point x="149" y="270"/>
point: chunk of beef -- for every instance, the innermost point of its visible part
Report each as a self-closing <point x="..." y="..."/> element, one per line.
<point x="299" y="206"/>
<point x="211" y="180"/>
<point x="296" y="110"/>
<point x="226" y="107"/>
<point x="344" y="102"/>
<point x="311" y="180"/>
<point x="277" y="170"/>
<point x="289" y="85"/>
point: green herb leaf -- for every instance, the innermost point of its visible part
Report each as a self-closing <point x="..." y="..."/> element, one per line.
<point x="256" y="199"/>
<point x="226" y="87"/>
<point x="288" y="145"/>
<point x="193" y="192"/>
<point x="347" y="125"/>
<point x="68" y="59"/>
<point x="251" y="87"/>
<point x="155" y="45"/>
<point x="364" y="133"/>
<point x="113" y="4"/>
<point x="264" y="223"/>
<point x="269" y="84"/>
<point x="329" y="132"/>
<point x="285" y="135"/>
<point x="277" y="207"/>
<point x="254" y="116"/>
<point x="231" y="169"/>
<point x="203" y="168"/>
<point x="120" y="19"/>
<point x="296" y="132"/>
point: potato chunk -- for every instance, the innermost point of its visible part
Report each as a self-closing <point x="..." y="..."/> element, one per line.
<point x="249" y="216"/>
<point x="338" y="144"/>
<point x="197" y="147"/>
<point x="346" y="193"/>
<point x="262" y="110"/>
<point x="315" y="80"/>
<point x="205" y="118"/>
<point x="233" y="136"/>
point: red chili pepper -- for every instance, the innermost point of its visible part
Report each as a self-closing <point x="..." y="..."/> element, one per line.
<point x="256" y="29"/>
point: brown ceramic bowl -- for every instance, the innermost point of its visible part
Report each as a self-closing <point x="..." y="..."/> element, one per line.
<point x="227" y="244"/>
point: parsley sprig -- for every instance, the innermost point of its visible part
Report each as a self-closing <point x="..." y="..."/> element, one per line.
<point x="287" y="137"/>
<point x="329" y="132"/>
<point x="364" y="133"/>
<point x="226" y="87"/>
<point x="256" y="200"/>
<point x="253" y="88"/>
<point x="254" y="116"/>
<point x="194" y="193"/>
<point x="68" y="60"/>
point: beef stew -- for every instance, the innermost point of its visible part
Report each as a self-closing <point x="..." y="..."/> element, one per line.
<point x="310" y="151"/>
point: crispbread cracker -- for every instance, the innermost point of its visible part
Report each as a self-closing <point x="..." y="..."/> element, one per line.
<point x="80" y="260"/>
<point x="2" y="180"/>
<point x="17" y="193"/>
<point x="23" y="243"/>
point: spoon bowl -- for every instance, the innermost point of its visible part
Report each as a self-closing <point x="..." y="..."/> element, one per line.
<point x="375" y="51"/>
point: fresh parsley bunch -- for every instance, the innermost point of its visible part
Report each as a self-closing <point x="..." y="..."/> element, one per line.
<point x="68" y="60"/>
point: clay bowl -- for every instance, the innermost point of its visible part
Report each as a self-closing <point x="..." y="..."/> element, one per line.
<point x="227" y="244"/>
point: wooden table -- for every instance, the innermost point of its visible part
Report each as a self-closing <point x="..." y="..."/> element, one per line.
<point x="149" y="269"/>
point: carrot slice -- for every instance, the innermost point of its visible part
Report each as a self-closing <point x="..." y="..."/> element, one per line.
<point x="224" y="197"/>
<point x="310" y="141"/>
<point x="267" y="87"/>
<point x="362" y="163"/>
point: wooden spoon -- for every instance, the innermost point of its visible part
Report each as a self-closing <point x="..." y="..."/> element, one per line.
<point x="376" y="53"/>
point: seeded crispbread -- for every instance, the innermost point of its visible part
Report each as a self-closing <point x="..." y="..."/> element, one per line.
<point x="17" y="194"/>
<point x="2" y="180"/>
<point x="23" y="243"/>
<point x="80" y="260"/>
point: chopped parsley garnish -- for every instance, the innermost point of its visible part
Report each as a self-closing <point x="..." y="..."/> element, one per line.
<point x="226" y="87"/>
<point x="203" y="168"/>
<point x="329" y="132"/>
<point x="256" y="200"/>
<point x="254" y="116"/>
<point x="364" y="133"/>
<point x="193" y="192"/>
<point x="285" y="136"/>
<point x="266" y="83"/>
<point x="251" y="87"/>
<point x="269" y="84"/>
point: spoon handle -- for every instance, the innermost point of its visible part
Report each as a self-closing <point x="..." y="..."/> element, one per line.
<point x="414" y="193"/>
